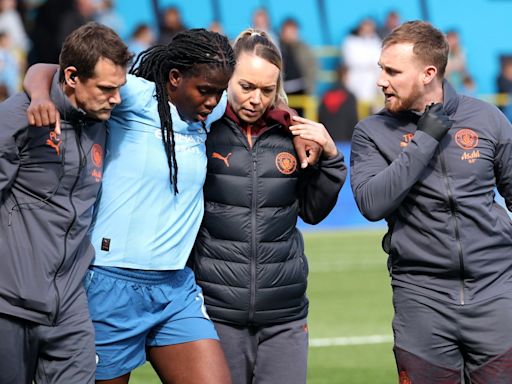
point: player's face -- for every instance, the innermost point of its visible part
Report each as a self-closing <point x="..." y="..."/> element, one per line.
<point x="401" y="78"/>
<point x="253" y="87"/>
<point x="196" y="96"/>
<point x="98" y="95"/>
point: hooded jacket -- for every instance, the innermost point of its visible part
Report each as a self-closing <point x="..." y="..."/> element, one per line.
<point x="48" y="187"/>
<point x="249" y="256"/>
<point x="447" y="237"/>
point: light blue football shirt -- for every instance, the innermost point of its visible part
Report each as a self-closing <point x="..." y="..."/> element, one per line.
<point x="140" y="223"/>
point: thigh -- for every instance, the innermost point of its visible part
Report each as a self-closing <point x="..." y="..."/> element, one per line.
<point x="193" y="362"/>
<point x="240" y="347"/>
<point x="426" y="338"/>
<point x="282" y="355"/>
<point x="120" y="322"/>
<point x="67" y="352"/>
<point x="180" y="311"/>
<point x="487" y="340"/>
<point x="18" y="351"/>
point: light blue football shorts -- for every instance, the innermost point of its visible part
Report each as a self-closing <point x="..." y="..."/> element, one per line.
<point x="135" y="309"/>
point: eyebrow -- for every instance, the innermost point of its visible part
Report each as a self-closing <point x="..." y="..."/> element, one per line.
<point x="263" y="86"/>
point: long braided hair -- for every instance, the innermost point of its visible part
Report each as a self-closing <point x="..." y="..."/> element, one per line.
<point x="185" y="52"/>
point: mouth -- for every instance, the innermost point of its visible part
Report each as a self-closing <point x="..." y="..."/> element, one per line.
<point x="251" y="113"/>
<point x="389" y="96"/>
<point x="202" y="116"/>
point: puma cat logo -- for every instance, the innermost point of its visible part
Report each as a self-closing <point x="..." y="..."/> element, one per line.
<point x="216" y="155"/>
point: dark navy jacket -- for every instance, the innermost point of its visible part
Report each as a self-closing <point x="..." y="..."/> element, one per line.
<point x="249" y="256"/>
<point x="48" y="187"/>
<point x="447" y="238"/>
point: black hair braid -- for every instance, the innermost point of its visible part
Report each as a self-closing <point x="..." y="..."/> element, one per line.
<point x="185" y="52"/>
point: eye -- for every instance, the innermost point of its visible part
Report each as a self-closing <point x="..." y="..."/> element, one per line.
<point x="245" y="87"/>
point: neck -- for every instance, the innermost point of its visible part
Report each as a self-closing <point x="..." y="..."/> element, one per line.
<point x="433" y="94"/>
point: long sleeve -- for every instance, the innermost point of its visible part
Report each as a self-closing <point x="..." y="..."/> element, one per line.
<point x="503" y="161"/>
<point x="319" y="187"/>
<point x="12" y="128"/>
<point x="379" y="186"/>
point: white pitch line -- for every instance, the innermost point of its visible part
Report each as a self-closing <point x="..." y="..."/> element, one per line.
<point x="356" y="340"/>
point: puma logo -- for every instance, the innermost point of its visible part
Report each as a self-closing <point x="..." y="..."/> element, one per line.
<point x="216" y="155"/>
<point x="54" y="141"/>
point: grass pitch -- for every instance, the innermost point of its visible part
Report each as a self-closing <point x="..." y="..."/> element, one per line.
<point x="350" y="311"/>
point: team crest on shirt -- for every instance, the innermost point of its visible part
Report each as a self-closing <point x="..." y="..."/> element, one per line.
<point x="467" y="139"/>
<point x="97" y="161"/>
<point x="286" y="163"/>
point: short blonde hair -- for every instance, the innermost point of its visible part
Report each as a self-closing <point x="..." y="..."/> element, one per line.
<point x="429" y="44"/>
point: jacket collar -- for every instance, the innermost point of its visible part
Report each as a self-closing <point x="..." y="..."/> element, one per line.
<point x="450" y="98"/>
<point x="270" y="117"/>
<point x="64" y="106"/>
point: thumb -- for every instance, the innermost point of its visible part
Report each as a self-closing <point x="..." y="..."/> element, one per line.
<point x="300" y="148"/>
<point x="57" y="123"/>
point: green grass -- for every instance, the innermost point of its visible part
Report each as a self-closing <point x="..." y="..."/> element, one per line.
<point x="350" y="296"/>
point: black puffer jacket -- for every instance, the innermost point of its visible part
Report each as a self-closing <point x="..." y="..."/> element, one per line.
<point x="249" y="256"/>
<point x="48" y="188"/>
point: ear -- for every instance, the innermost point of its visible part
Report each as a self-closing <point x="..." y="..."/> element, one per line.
<point x="429" y="74"/>
<point x="175" y="77"/>
<point x="71" y="76"/>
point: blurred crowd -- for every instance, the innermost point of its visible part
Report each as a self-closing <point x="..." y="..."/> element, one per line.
<point x="33" y="31"/>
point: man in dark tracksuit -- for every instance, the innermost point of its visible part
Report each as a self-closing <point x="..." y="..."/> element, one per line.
<point x="49" y="181"/>
<point x="432" y="176"/>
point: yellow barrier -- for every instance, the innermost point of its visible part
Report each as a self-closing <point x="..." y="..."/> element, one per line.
<point x="309" y="104"/>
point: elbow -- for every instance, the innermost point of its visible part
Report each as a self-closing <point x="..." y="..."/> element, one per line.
<point x="312" y="220"/>
<point x="371" y="212"/>
<point x="372" y="215"/>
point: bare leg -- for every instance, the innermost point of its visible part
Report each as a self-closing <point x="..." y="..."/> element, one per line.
<point x="118" y="380"/>
<point x="197" y="362"/>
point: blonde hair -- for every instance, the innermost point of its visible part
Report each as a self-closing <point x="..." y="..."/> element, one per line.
<point x="258" y="43"/>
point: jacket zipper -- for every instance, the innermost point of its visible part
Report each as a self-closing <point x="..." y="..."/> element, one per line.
<point x="70" y="197"/>
<point x="253" y="238"/>
<point x="451" y="203"/>
<point x="251" y="146"/>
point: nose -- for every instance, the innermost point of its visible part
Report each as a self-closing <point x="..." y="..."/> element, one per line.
<point x="212" y="101"/>
<point x="115" y="98"/>
<point x="256" y="96"/>
<point x="382" y="81"/>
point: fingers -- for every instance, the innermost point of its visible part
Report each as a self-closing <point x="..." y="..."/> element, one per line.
<point x="310" y="132"/>
<point x="302" y="120"/>
<point x="300" y="148"/>
<point x="57" y="123"/>
<point x="314" y="154"/>
<point x="31" y="118"/>
<point x="44" y="114"/>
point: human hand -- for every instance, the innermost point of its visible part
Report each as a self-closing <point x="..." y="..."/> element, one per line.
<point x="316" y="132"/>
<point x="42" y="112"/>
<point x="308" y="151"/>
<point x="435" y="121"/>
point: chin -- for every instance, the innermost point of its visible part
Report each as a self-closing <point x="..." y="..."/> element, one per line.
<point x="102" y="116"/>
<point x="395" y="107"/>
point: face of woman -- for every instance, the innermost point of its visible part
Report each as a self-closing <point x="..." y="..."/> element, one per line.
<point x="195" y="97"/>
<point x="253" y="86"/>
